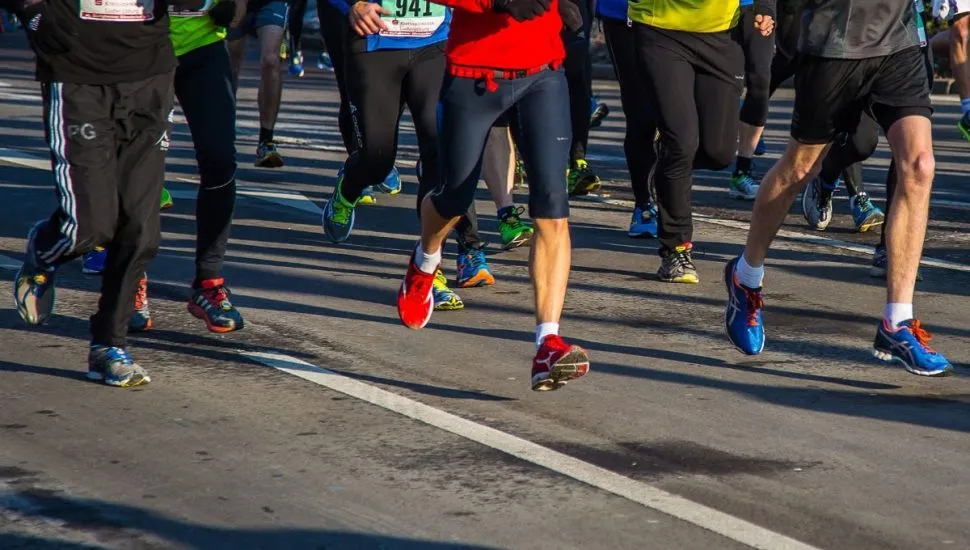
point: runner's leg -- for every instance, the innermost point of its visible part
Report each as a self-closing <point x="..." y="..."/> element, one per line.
<point x="758" y="51"/>
<point x="639" y="140"/>
<point x="270" y="23"/>
<point x="203" y="91"/>
<point x="579" y="70"/>
<point x="333" y="28"/>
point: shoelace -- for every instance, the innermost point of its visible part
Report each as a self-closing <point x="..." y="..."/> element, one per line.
<point x="141" y="295"/>
<point x="476" y="259"/>
<point x="218" y="296"/>
<point x="755" y="304"/>
<point x="863" y="202"/>
<point x="682" y="260"/>
<point x="512" y="217"/>
<point x="922" y="335"/>
<point x="341" y="210"/>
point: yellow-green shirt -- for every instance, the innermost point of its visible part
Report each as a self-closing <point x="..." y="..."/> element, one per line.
<point x="193" y="28"/>
<point x="686" y="15"/>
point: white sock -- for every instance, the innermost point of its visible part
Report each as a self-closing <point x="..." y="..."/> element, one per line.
<point x="545" y="329"/>
<point x="897" y="313"/>
<point x="965" y="105"/>
<point x="750" y="277"/>
<point x="427" y="263"/>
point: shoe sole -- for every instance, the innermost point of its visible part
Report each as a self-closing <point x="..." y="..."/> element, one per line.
<point x="521" y="240"/>
<point x="388" y="190"/>
<point x="571" y="366"/>
<point x="20" y="301"/>
<point x="197" y="312"/>
<point x="888" y="357"/>
<point x="449" y="306"/>
<point x="684" y="280"/>
<point x="131" y="383"/>
<point x="272" y="160"/>
<point x="740" y="196"/>
<point x="478" y="280"/>
<point x="866" y="226"/>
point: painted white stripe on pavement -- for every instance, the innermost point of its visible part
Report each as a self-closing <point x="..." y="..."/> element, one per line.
<point x="284" y="198"/>
<point x="723" y="524"/>
<point x="25" y="159"/>
<point x="6" y="262"/>
<point x="803" y="237"/>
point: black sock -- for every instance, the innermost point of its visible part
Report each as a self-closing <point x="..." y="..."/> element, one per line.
<point x="742" y="166"/>
<point x="265" y="135"/>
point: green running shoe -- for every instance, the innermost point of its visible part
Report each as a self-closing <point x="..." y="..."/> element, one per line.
<point x="964" y="126"/>
<point x="513" y="230"/>
<point x="580" y="180"/>
<point x="338" y="215"/>
<point x="166" y="201"/>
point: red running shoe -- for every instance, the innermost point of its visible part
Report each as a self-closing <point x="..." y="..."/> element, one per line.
<point x="556" y="363"/>
<point x="414" y="301"/>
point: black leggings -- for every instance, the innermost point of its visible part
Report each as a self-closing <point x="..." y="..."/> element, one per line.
<point x="579" y="78"/>
<point x="203" y="87"/>
<point x="639" y="145"/>
<point x="334" y="28"/>
<point x="295" y="24"/>
<point x="758" y="51"/>
<point x="379" y="85"/>
<point x="695" y="95"/>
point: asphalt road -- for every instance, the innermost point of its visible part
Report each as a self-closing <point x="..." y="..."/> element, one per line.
<point x="325" y="424"/>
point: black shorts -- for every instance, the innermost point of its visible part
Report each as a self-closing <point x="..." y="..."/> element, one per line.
<point x="832" y="94"/>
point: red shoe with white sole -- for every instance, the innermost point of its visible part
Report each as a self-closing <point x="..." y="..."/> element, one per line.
<point x="556" y="363"/>
<point x="415" y="302"/>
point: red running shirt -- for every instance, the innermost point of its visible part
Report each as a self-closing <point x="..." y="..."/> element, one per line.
<point x="482" y="39"/>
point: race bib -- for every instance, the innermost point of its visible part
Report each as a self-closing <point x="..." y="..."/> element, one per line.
<point x="118" y="11"/>
<point x="414" y="19"/>
<point x="197" y="11"/>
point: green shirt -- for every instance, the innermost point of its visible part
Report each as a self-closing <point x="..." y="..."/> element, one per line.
<point x="192" y="29"/>
<point x="702" y="16"/>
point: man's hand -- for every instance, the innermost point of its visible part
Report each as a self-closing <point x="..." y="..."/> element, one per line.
<point x="521" y="10"/>
<point x="365" y="18"/>
<point x="48" y="35"/>
<point x="765" y="24"/>
<point x="572" y="18"/>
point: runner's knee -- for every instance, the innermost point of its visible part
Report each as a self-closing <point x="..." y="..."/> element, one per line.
<point x="916" y="172"/>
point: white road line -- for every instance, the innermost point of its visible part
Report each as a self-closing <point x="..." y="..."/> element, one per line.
<point x="290" y="199"/>
<point x="25" y="159"/>
<point x="6" y="262"/>
<point x="803" y="237"/>
<point x="726" y="525"/>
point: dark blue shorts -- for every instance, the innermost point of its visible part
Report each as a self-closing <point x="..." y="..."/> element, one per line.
<point x="467" y="111"/>
<point x="270" y="14"/>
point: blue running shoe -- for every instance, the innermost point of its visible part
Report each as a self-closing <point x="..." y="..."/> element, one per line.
<point x="93" y="262"/>
<point x="865" y="214"/>
<point x="114" y="367"/>
<point x="742" y="317"/>
<point x="33" y="287"/>
<point x="643" y="223"/>
<point x="909" y="344"/>
<point x="324" y="63"/>
<point x="473" y="269"/>
<point x="338" y="215"/>
<point x="761" y="148"/>
<point x="392" y="183"/>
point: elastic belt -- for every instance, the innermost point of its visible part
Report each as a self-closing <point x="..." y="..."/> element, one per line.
<point x="491" y="75"/>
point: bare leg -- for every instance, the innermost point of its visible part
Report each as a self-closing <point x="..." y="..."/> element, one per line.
<point x="237" y="50"/>
<point x="270" y="82"/>
<point x="549" y="263"/>
<point x="912" y="144"/>
<point x="959" y="32"/>
<point x="776" y="194"/>
<point x="434" y="228"/>
<point x="498" y="167"/>
<point x="749" y="138"/>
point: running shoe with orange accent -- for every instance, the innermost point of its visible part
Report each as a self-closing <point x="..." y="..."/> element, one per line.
<point x="556" y="363"/>
<point x="141" y="319"/>
<point x="909" y="344"/>
<point x="473" y="269"/>
<point x="210" y="302"/>
<point x="414" y="300"/>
